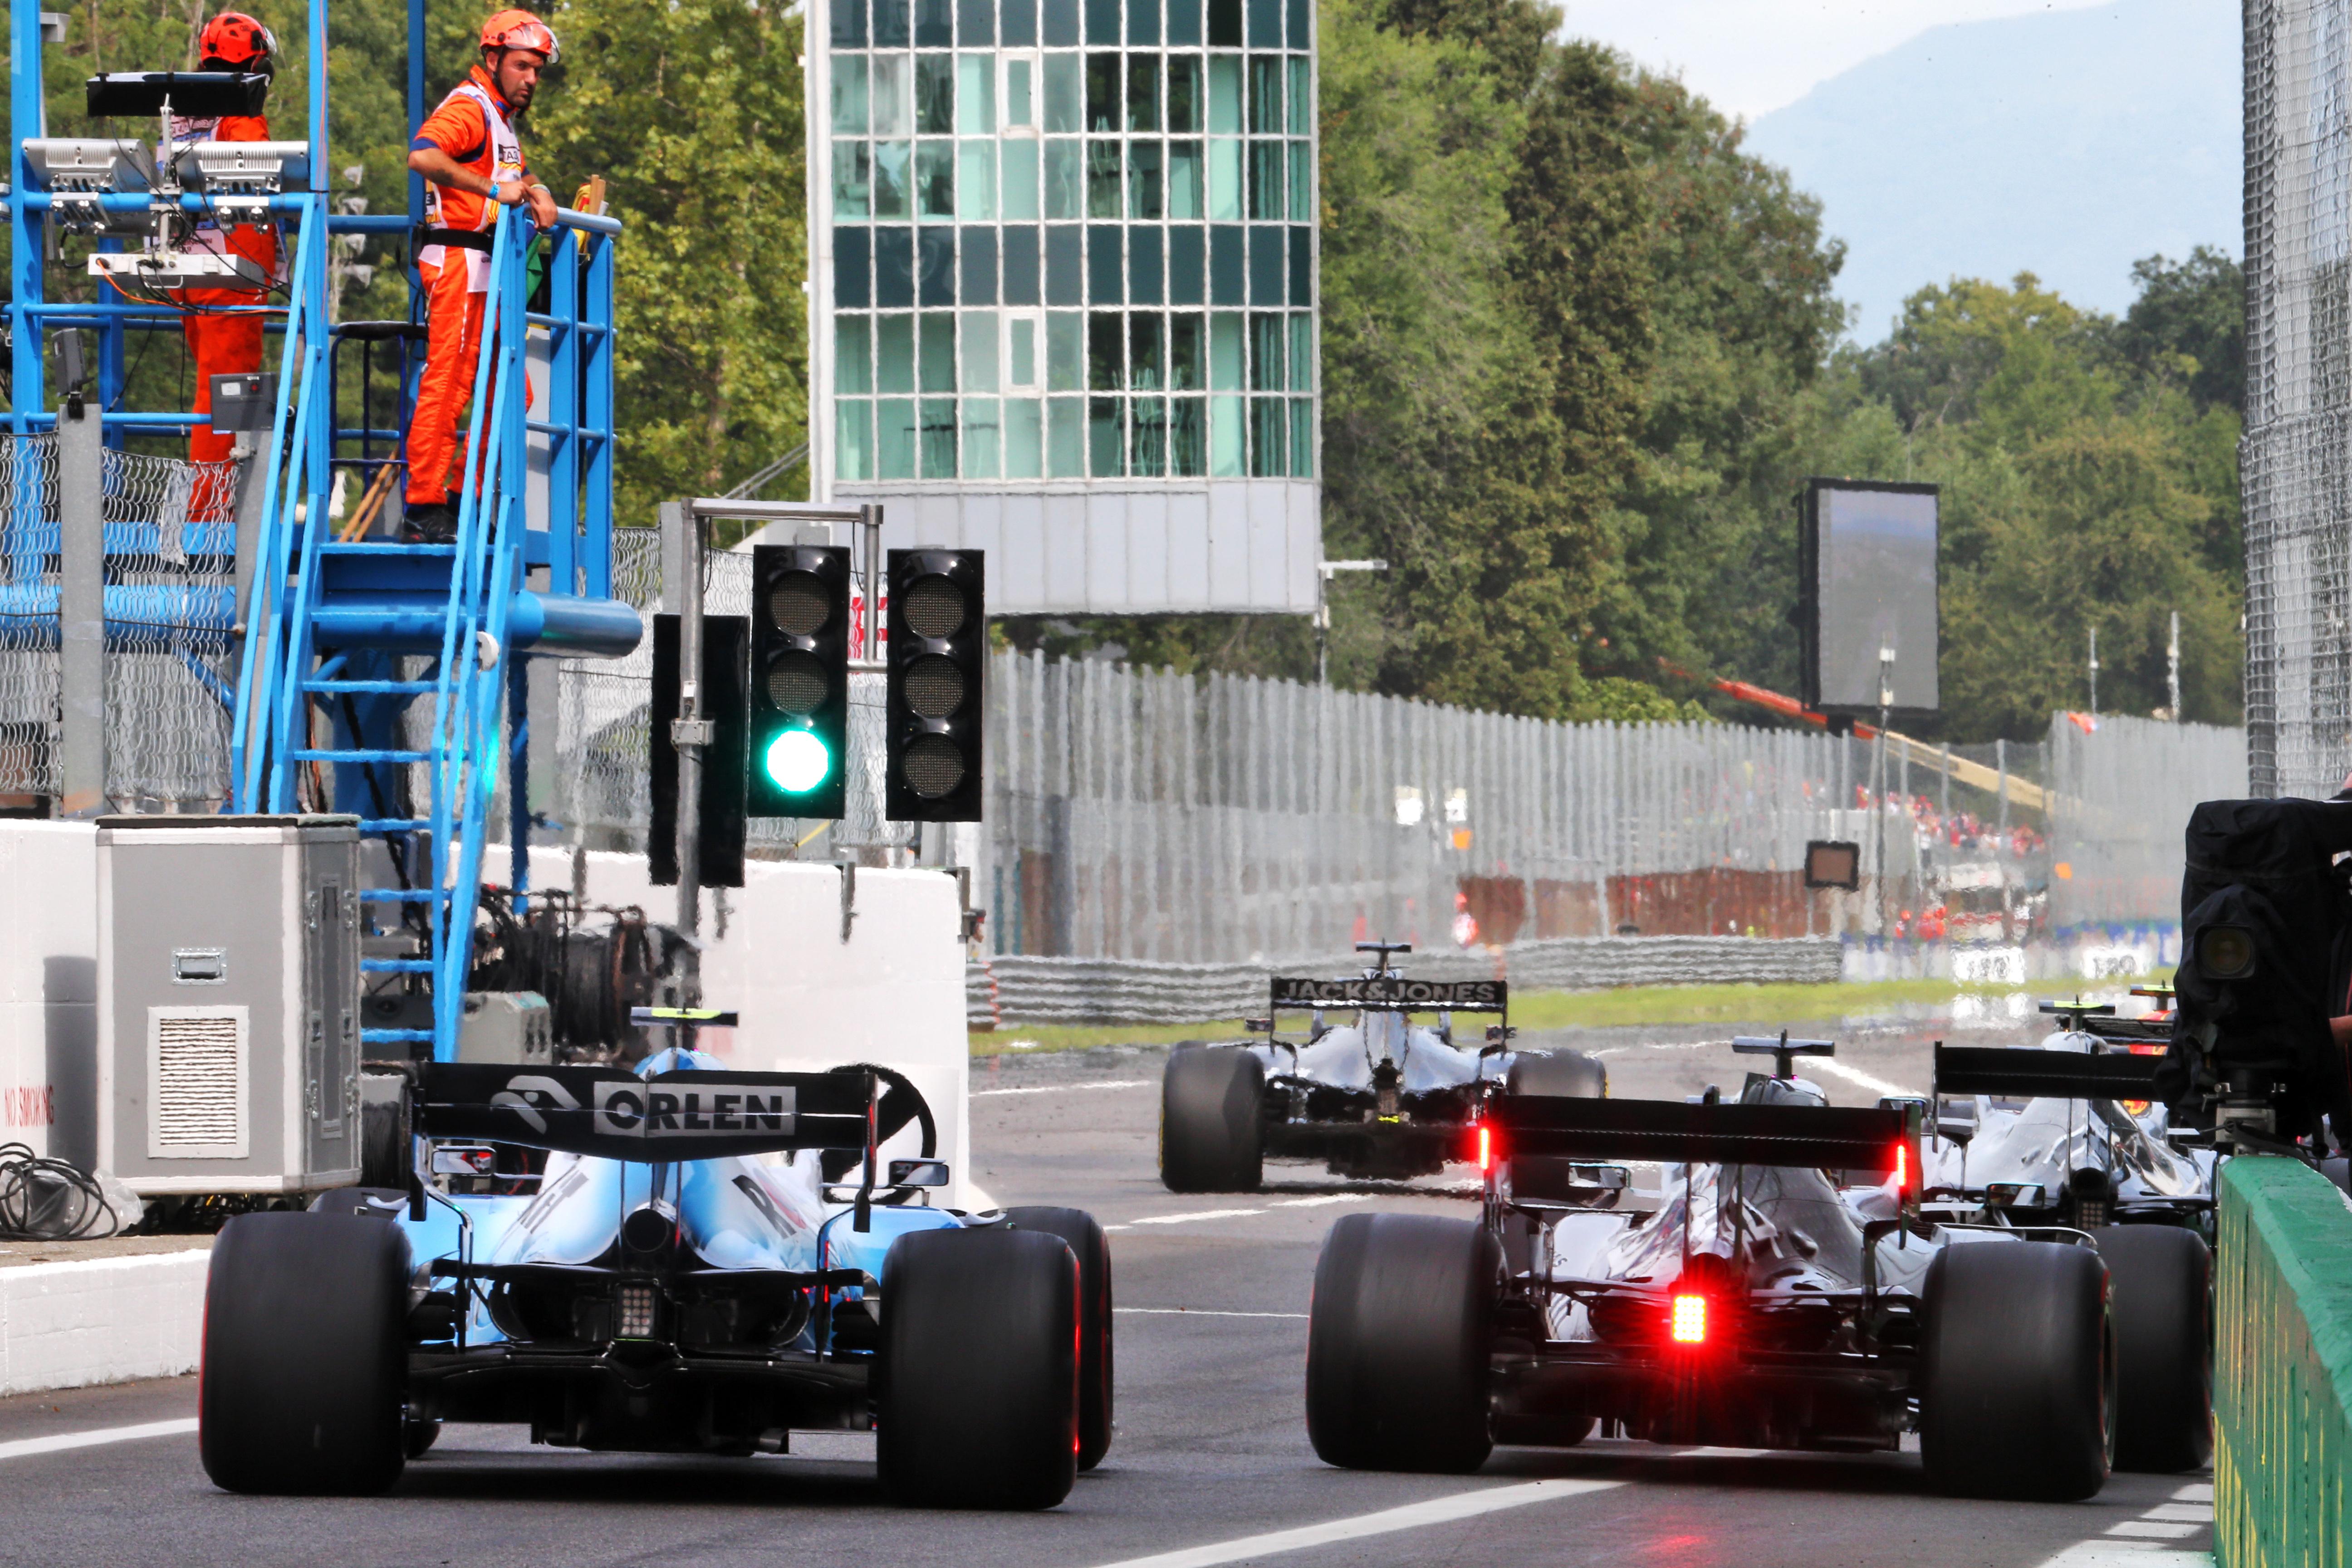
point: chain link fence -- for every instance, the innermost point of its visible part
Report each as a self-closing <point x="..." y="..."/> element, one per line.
<point x="2296" y="453"/>
<point x="171" y="570"/>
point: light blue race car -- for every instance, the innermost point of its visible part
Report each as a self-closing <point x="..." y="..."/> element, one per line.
<point x="708" y="1261"/>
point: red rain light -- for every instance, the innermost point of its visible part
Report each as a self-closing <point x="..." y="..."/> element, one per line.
<point x="1485" y="1148"/>
<point x="1902" y="1167"/>
<point x="1688" y="1324"/>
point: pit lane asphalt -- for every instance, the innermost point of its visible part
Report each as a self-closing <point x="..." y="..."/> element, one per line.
<point x="1211" y="1451"/>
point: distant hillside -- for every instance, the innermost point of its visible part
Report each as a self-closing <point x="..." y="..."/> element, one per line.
<point x="2066" y="143"/>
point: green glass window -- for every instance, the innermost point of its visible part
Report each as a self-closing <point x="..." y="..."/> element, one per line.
<point x="976" y="95"/>
<point x="1064" y="94"/>
<point x="1266" y="339"/>
<point x="1018" y="193"/>
<point x="1065" y="438"/>
<point x="852" y="182"/>
<point x="1269" y="438"/>
<point x="1265" y="94"/>
<point x="939" y="438"/>
<point x="1024" y="438"/>
<point x="1147" y="442"/>
<point x="1302" y="437"/>
<point x="853" y="353"/>
<point x="1302" y="100"/>
<point x="1184" y="196"/>
<point x="1302" y="352"/>
<point x="935" y="180"/>
<point x="1106" y="355"/>
<point x="1145" y="193"/>
<point x="1224" y="179"/>
<point x="1102" y="93"/>
<point x="894" y="419"/>
<point x="1064" y="194"/>
<point x="1106" y="438"/>
<point x="1225" y="93"/>
<point x="1188" y="436"/>
<point x="1302" y="198"/>
<point x="1020" y="93"/>
<point x="894" y="354"/>
<point x="852" y="438"/>
<point x="1147" y="351"/>
<point x="937" y="369"/>
<point x="893" y="112"/>
<point x="982" y="444"/>
<point x="979" y="330"/>
<point x="1143" y="92"/>
<point x="976" y="181"/>
<point x="1102" y="178"/>
<point x="1265" y="159"/>
<point x="849" y="95"/>
<point x="894" y="179"/>
<point x="934" y="95"/>
<point x="1183" y="92"/>
<point x="1225" y="354"/>
<point x="1225" y="443"/>
<point x="1188" y="358"/>
<point x="1066" y="351"/>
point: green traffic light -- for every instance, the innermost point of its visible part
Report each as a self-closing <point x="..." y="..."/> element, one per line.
<point x="797" y="760"/>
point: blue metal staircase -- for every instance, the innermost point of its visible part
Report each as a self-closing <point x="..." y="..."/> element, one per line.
<point x="332" y="629"/>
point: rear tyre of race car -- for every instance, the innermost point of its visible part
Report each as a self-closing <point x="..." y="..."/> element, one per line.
<point x="304" y="1357"/>
<point x="1562" y="1075"/>
<point x="1212" y="1134"/>
<point x="1092" y="1249"/>
<point x="978" y="1404"/>
<point x="2162" y="1279"/>
<point x="1397" y="1343"/>
<point x="2016" y="1377"/>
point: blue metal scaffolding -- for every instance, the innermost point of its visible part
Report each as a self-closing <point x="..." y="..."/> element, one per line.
<point x="408" y="656"/>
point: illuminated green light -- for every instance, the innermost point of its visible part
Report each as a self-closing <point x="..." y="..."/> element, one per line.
<point x="797" y="760"/>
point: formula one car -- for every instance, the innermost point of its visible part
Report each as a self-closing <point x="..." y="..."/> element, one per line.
<point x="2040" y="1138"/>
<point x="1754" y="1308"/>
<point x="664" y="1290"/>
<point x="1378" y="1097"/>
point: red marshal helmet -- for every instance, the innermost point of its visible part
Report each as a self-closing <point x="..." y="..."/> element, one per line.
<point x="520" y="30"/>
<point x="236" y="40"/>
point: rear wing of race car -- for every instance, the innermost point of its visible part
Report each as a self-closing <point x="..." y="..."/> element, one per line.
<point x="2019" y="1073"/>
<point x="613" y="1114"/>
<point x="1883" y="1138"/>
<point x="1392" y="993"/>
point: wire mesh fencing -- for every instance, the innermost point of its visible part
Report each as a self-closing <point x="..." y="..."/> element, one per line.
<point x="170" y="547"/>
<point x="2296" y="453"/>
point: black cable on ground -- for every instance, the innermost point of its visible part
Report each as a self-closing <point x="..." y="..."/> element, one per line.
<point x="49" y="1200"/>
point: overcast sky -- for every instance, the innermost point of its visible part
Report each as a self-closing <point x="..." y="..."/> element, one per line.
<point x="1751" y="56"/>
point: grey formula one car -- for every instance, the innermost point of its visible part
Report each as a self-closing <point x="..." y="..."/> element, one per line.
<point x="1381" y="1094"/>
<point x="662" y="1289"/>
<point x="2061" y="1140"/>
<point x="1751" y="1306"/>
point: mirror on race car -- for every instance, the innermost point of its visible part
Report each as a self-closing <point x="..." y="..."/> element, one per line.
<point x="465" y="1160"/>
<point x="919" y="1173"/>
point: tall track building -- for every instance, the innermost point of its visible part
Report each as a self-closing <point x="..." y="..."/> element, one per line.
<point x="1063" y="281"/>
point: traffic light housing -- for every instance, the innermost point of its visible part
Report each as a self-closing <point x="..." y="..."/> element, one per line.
<point x="937" y="642"/>
<point x="797" y="747"/>
<point x="724" y="703"/>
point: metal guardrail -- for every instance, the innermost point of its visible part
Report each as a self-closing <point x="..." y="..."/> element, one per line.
<point x="2282" y="1369"/>
<point x="1014" y="988"/>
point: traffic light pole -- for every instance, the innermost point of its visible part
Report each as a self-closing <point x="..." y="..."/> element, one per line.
<point x="690" y="731"/>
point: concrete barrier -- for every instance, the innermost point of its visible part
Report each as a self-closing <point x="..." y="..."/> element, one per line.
<point x="101" y="1319"/>
<point x="2282" y="1369"/>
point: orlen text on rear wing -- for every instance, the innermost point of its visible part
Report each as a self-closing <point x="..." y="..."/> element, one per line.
<point x="1882" y="1139"/>
<point x="614" y="1114"/>
<point x="2018" y="1073"/>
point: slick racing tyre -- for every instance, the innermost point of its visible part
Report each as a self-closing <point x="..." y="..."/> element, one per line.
<point x="2162" y="1282"/>
<point x="2017" y="1376"/>
<point x="303" y="1355"/>
<point x="1212" y="1137"/>
<point x="1397" y="1343"/>
<point x="1562" y="1075"/>
<point x="1092" y="1249"/>
<point x="978" y="1370"/>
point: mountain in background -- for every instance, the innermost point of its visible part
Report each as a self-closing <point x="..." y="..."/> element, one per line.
<point x="2065" y="143"/>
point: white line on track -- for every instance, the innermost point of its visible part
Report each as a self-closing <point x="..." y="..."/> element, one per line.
<point x="1855" y="1075"/>
<point x="1058" y="1088"/>
<point x="1415" y="1516"/>
<point x="1327" y="1198"/>
<point x="1196" y="1214"/>
<point x="1200" y="1313"/>
<point x="24" y="1447"/>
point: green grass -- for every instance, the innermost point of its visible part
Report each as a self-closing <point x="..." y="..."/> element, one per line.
<point x="1631" y="1004"/>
